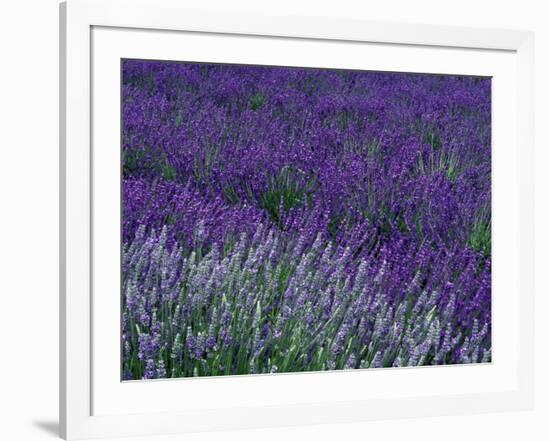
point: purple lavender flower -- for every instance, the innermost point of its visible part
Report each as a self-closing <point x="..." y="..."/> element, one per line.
<point x="285" y="219"/>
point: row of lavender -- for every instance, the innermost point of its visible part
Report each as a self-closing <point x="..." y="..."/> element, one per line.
<point x="282" y="219"/>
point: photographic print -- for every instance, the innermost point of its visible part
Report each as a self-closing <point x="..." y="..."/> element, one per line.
<point x="283" y="219"/>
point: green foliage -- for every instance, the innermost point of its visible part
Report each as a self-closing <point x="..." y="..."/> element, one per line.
<point x="145" y="160"/>
<point x="257" y="100"/>
<point x="204" y="163"/>
<point x="432" y="138"/>
<point x="136" y="160"/>
<point x="144" y="81"/>
<point x="168" y="171"/>
<point x="131" y="161"/>
<point x="480" y="237"/>
<point x="440" y="161"/>
<point x="230" y="194"/>
<point x="334" y="225"/>
<point x="284" y="192"/>
<point x="452" y="168"/>
<point x="401" y="225"/>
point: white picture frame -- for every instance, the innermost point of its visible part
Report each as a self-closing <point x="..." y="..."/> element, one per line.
<point x="83" y="413"/>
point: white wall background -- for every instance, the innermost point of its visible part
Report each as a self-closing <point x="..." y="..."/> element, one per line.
<point x="29" y="230"/>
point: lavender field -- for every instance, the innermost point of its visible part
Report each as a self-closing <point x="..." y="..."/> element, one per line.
<point x="287" y="220"/>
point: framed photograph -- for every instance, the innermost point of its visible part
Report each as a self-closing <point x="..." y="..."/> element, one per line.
<point x="280" y="220"/>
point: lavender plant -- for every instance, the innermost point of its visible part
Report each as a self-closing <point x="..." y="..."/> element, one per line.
<point x="284" y="219"/>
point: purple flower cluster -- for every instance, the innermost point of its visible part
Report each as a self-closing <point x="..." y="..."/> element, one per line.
<point x="285" y="219"/>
